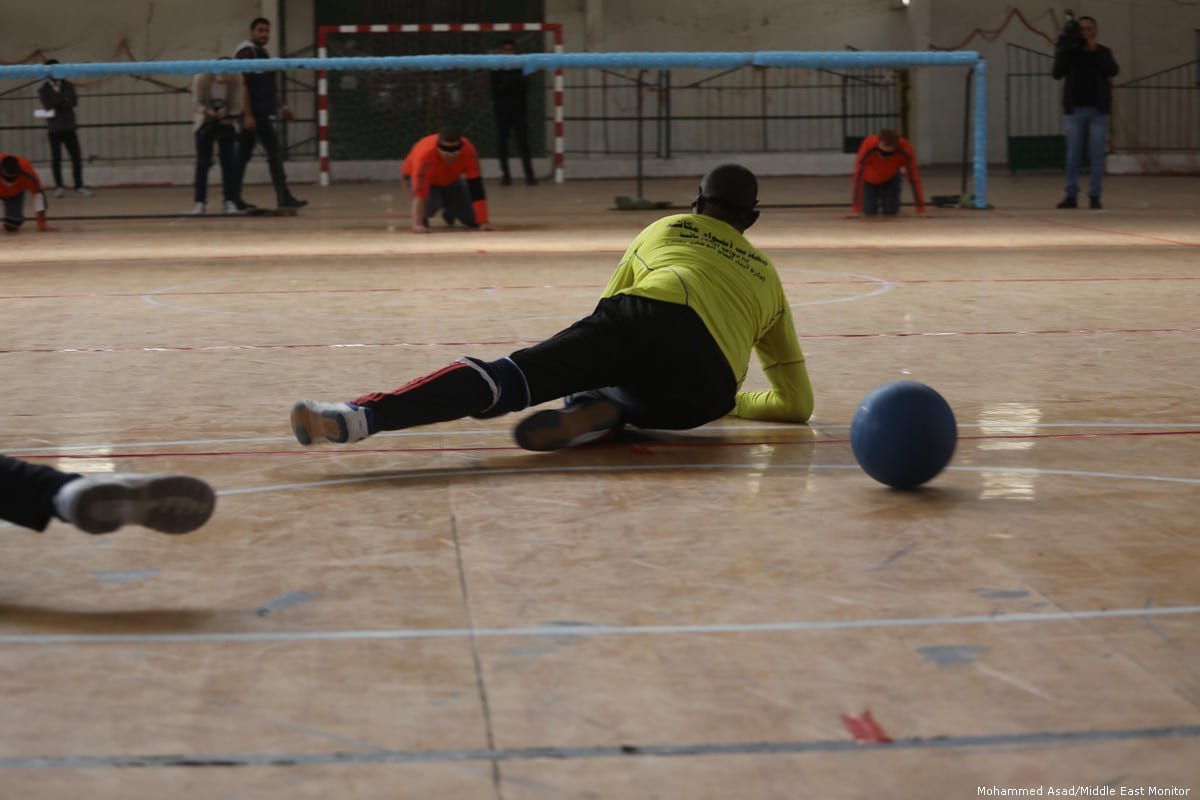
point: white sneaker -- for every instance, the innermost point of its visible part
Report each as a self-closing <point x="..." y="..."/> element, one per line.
<point x="340" y="423"/>
<point x="167" y="503"/>
<point x="197" y="210"/>
<point x="58" y="191"/>
<point x="231" y="207"/>
<point x="82" y="192"/>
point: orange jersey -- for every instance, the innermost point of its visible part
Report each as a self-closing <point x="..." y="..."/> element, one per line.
<point x="873" y="167"/>
<point x="426" y="168"/>
<point x="27" y="179"/>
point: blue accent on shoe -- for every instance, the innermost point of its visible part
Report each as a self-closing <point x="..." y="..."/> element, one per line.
<point x="372" y="428"/>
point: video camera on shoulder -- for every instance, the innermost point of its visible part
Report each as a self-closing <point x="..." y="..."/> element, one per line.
<point x="1071" y="24"/>
<point x="1072" y="34"/>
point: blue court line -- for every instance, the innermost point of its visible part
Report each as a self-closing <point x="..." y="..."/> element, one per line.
<point x="585" y="630"/>
<point x="618" y="751"/>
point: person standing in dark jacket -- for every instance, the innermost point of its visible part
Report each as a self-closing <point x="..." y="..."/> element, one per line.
<point x="1086" y="69"/>
<point x="510" y="93"/>
<point x="59" y="99"/>
<point x="260" y="106"/>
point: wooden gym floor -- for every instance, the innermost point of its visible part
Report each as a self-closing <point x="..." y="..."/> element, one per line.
<point x="734" y="612"/>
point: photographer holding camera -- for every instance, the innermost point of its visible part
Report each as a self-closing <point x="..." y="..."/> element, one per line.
<point x="218" y="102"/>
<point x="1088" y="69"/>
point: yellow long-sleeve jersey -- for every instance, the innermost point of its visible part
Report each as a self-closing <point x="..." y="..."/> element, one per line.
<point x="707" y="265"/>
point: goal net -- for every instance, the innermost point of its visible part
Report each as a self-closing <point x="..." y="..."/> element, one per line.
<point x="376" y="115"/>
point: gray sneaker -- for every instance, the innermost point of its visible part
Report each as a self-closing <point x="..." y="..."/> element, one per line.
<point x="167" y="503"/>
<point x="82" y="192"/>
<point x="576" y="424"/>
<point x="340" y="423"/>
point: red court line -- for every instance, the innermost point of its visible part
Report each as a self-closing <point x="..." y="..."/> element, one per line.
<point x="558" y="286"/>
<point x="865" y="729"/>
<point x="1098" y="229"/>
<point x="641" y="447"/>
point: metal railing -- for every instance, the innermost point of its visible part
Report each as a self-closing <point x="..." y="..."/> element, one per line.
<point x="128" y="120"/>
<point x="1159" y="112"/>
<point x="1156" y="113"/>
<point x="740" y="110"/>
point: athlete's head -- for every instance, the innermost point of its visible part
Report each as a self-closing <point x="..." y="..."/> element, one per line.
<point x="508" y="47"/>
<point x="1088" y="28"/>
<point x="260" y="31"/>
<point x="9" y="169"/>
<point x="449" y="144"/>
<point x="888" y="139"/>
<point x="729" y="193"/>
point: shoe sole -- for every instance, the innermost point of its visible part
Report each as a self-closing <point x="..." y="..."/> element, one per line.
<point x="170" y="503"/>
<point x="554" y="429"/>
<point x="311" y="426"/>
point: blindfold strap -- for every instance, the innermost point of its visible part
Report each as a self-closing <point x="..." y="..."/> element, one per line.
<point x="450" y="147"/>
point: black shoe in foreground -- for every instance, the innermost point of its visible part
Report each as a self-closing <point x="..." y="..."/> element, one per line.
<point x="1094" y="202"/>
<point x="1068" y="202"/>
<point x="554" y="429"/>
<point x="291" y="202"/>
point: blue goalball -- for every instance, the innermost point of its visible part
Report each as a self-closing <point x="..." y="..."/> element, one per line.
<point x="903" y="434"/>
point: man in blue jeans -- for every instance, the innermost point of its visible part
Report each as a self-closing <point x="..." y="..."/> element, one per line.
<point x="1088" y="69"/>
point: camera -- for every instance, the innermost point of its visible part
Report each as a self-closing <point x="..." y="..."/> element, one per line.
<point x="1071" y="25"/>
<point x="1072" y="34"/>
<point x="218" y="126"/>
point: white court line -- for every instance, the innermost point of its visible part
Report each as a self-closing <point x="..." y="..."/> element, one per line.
<point x="614" y="468"/>
<point x="884" y="287"/>
<point x="585" y="631"/>
<point x="430" y="431"/>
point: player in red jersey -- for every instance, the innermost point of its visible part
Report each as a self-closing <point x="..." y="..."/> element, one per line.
<point x="17" y="176"/>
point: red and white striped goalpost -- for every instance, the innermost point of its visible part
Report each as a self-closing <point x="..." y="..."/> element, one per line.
<point x="450" y="27"/>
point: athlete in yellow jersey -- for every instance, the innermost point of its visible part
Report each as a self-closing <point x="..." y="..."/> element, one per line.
<point x="668" y="345"/>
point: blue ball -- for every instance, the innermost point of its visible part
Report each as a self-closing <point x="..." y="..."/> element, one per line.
<point x="903" y="434"/>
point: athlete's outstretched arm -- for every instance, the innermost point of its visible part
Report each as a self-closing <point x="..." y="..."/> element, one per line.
<point x="790" y="398"/>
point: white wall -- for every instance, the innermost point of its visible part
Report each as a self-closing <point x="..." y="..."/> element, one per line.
<point x="91" y="30"/>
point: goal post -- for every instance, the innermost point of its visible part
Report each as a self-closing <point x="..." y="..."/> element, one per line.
<point x="359" y="100"/>
<point x="555" y="63"/>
